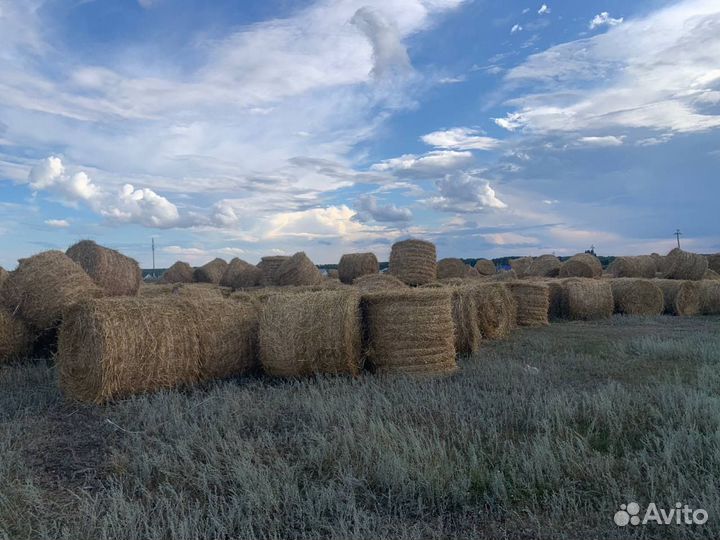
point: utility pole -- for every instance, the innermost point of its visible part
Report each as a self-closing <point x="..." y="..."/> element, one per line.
<point x="678" y="234"/>
<point x="153" y="253"/>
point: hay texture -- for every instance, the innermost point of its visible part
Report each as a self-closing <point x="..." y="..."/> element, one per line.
<point x="311" y="333"/>
<point x="44" y="285"/>
<point x="211" y="272"/>
<point x="115" y="273"/>
<point x="544" y="266"/>
<point x="184" y="290"/>
<point x="413" y="262"/>
<point x="496" y="310"/>
<point x="501" y="276"/>
<point x="451" y="268"/>
<point x="298" y="270"/>
<point x="114" y="347"/>
<point x="14" y="338"/>
<point x="680" y="297"/>
<point x="355" y="265"/>
<point x="711" y="274"/>
<point x="681" y="264"/>
<point x="714" y="262"/>
<point x="410" y="331"/>
<point x="180" y="272"/>
<point x="378" y="282"/>
<point x="521" y="265"/>
<point x="709" y="297"/>
<point x="4" y="274"/>
<point x="241" y="275"/>
<point x="635" y="296"/>
<point x="659" y="262"/>
<point x="580" y="299"/>
<point x="269" y="266"/>
<point x="582" y="265"/>
<point x="333" y="274"/>
<point x="643" y="266"/>
<point x="471" y="272"/>
<point x="485" y="267"/>
<point x="532" y="300"/>
<point x="465" y="318"/>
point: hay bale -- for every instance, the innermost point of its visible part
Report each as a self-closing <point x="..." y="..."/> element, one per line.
<point x="471" y="272"/>
<point x="44" y="285"/>
<point x="410" y="331"/>
<point x="309" y="333"/>
<point x="532" y="300"/>
<point x="636" y="296"/>
<point x="681" y="264"/>
<point x="680" y="297"/>
<point x="117" y="274"/>
<point x="355" y="265"/>
<point x="485" y="267"/>
<point x="15" y="338"/>
<point x="184" y="290"/>
<point x="709" y="297"/>
<point x="4" y="274"/>
<point x="581" y="299"/>
<point x="180" y="272"/>
<point x="543" y="266"/>
<point x="211" y="272"/>
<point x="298" y="270"/>
<point x="582" y="265"/>
<point x="451" y="268"/>
<point x="241" y="275"/>
<point x="501" y="276"/>
<point x="520" y="265"/>
<point x="269" y="267"/>
<point x="114" y="347"/>
<point x="496" y="310"/>
<point x="711" y="274"/>
<point x="378" y="282"/>
<point x="714" y="262"/>
<point x="659" y="261"/>
<point x="413" y="262"/>
<point x="465" y="318"/>
<point x="642" y="266"/>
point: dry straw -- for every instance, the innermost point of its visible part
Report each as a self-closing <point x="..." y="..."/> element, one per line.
<point x="471" y="272"/>
<point x="714" y="262"/>
<point x="580" y="299"/>
<point x="378" y="282"/>
<point x="114" y="347"/>
<point x="544" y="266"/>
<point x="185" y="290"/>
<point x="117" y="274"/>
<point x="642" y="266"/>
<point x="269" y="266"/>
<point x="44" y="285"/>
<point x="410" y="331"/>
<point x="711" y="274"/>
<point x="451" y="268"/>
<point x="532" y="300"/>
<point x="4" y="274"/>
<point x="333" y="274"/>
<point x="584" y="265"/>
<point x="501" y="276"/>
<point x="298" y="270"/>
<point x="355" y="265"/>
<point x="709" y="297"/>
<point x="485" y="267"/>
<point x="659" y="262"/>
<point x="681" y="264"/>
<point x="180" y="272"/>
<point x="241" y="275"/>
<point x="211" y="272"/>
<point x="496" y="310"/>
<point x="521" y="265"/>
<point x="680" y="297"/>
<point x="14" y="338"/>
<point x="413" y="261"/>
<point x="465" y="317"/>
<point x="309" y="333"/>
<point x="635" y="296"/>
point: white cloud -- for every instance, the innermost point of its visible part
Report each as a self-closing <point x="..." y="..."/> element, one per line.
<point x="144" y="207"/>
<point x="49" y="175"/>
<point x="429" y="165"/>
<point x="606" y="140"/>
<point x="389" y="54"/>
<point x="509" y="238"/>
<point x="511" y="122"/>
<point x="452" y="80"/>
<point x="57" y="223"/>
<point x="516" y="28"/>
<point x="465" y="193"/>
<point x="328" y="222"/>
<point x="368" y="209"/>
<point x="460" y="138"/>
<point x="604" y="19"/>
<point x="544" y="9"/>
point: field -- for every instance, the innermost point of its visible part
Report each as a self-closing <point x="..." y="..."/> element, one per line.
<point x="540" y="436"/>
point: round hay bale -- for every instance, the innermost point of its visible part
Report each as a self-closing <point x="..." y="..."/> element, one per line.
<point x="532" y="300"/>
<point x="310" y="333"/>
<point x="714" y="262"/>
<point x="636" y="296"/>
<point x="471" y="272"/>
<point x="378" y="282"/>
<point x="642" y="266"/>
<point x="298" y="270"/>
<point x="583" y="299"/>
<point x="241" y="275"/>
<point x="117" y="274"/>
<point x="709" y="297"/>
<point x="269" y="267"/>
<point x="410" y="331"/>
<point x="114" y="347"/>
<point x="543" y="266"/>
<point x="465" y="318"/>
<point x="496" y="310"/>
<point x="659" y="261"/>
<point x="680" y="297"/>
<point x="180" y="272"/>
<point x="501" y="276"/>
<point x="681" y="264"/>
<point x="211" y="272"/>
<point x="485" y="267"/>
<point x="451" y="268"/>
<point x="520" y="265"/>
<point x="355" y="265"/>
<point x="711" y="274"/>
<point x="44" y="285"/>
<point x="15" y="338"/>
<point x="413" y="262"/>
<point x="582" y="265"/>
<point x="4" y="274"/>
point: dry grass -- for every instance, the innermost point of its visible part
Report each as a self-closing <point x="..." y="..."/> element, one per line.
<point x="355" y="265"/>
<point x="413" y="262"/>
<point x="681" y="264"/>
<point x="680" y="297"/>
<point x="15" y="338"/>
<point x="115" y="273"/>
<point x="298" y="270"/>
<point x="635" y="296"/>
<point x="179" y="272"/>
<point x="532" y="300"/>
<point x="211" y="272"/>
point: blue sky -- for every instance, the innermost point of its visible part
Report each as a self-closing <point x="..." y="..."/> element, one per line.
<point x="249" y="128"/>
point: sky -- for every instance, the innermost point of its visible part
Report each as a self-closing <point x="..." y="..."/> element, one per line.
<point x="260" y="127"/>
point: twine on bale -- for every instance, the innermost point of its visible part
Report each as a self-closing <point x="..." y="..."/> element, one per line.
<point x="584" y="265"/>
<point x="180" y="272"/>
<point x="269" y="266"/>
<point x="298" y="270"/>
<point x="636" y="296"/>
<point x="211" y="272"/>
<point x="532" y="300"/>
<point x="115" y="273"/>
<point x="681" y="264"/>
<point x="378" y="282"/>
<point x="241" y="275"/>
<point x="355" y="265"/>
<point x="485" y="267"/>
<point x="642" y="266"/>
<point x="413" y="262"/>
<point x="451" y="268"/>
<point x="14" y="338"/>
<point x="681" y="297"/>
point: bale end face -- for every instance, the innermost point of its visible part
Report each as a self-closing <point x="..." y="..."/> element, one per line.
<point x="355" y="265"/>
<point x="635" y="296"/>
<point x="414" y="262"/>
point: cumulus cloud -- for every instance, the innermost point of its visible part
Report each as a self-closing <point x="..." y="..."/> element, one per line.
<point x="57" y="223"/>
<point x="389" y="54"/>
<point x="369" y="209"/>
<point x="429" y="165"/>
<point x="465" y="193"/>
<point x="316" y="223"/>
<point x="49" y="175"/>
<point x="223" y="214"/>
<point x="143" y="206"/>
<point x="605" y="140"/>
<point x="460" y="138"/>
<point x="544" y="9"/>
<point x="604" y="19"/>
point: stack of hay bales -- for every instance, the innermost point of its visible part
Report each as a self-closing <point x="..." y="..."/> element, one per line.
<point x="580" y="299"/>
<point x="298" y="270"/>
<point x="680" y="297"/>
<point x="410" y="331"/>
<point x="114" y="347"/>
<point x="355" y="265"/>
<point x="310" y="333"/>
<point x="642" y="266"/>
<point x="180" y="272"/>
<point x="43" y="286"/>
<point x="584" y="265"/>
<point x="681" y="264"/>
<point x="413" y="262"/>
<point x="636" y="296"/>
<point x="465" y="318"/>
<point x="714" y="262"/>
<point x="241" y="275"/>
<point x="378" y="282"/>
<point x="269" y="266"/>
<point x="451" y="268"/>
<point x="485" y="267"/>
<point x="496" y="310"/>
<point x="532" y="300"/>
<point x="520" y="265"/>
<point x="211" y="272"/>
<point x="544" y="266"/>
<point x="117" y="274"/>
<point x="709" y="297"/>
<point x="14" y="337"/>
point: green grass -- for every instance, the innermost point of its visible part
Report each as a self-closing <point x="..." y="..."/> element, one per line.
<point x="620" y="410"/>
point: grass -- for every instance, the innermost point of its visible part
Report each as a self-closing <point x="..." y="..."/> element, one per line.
<point x="540" y="436"/>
